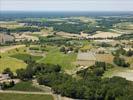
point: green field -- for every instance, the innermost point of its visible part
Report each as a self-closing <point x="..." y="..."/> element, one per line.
<point x="25" y="86"/>
<point x="12" y="63"/>
<point x="8" y="62"/>
<point x="54" y="56"/>
<point x="25" y="57"/>
<point x="13" y="96"/>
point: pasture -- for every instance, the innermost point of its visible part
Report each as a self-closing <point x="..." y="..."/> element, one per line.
<point x="12" y="63"/>
<point x="25" y="57"/>
<point x="15" y="96"/>
<point x="54" y="56"/>
<point x="8" y="62"/>
<point x="25" y="86"/>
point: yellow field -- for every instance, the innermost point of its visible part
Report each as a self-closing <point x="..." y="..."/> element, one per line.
<point x="12" y="63"/>
<point x="8" y="62"/>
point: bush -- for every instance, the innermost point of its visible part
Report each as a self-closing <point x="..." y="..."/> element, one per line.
<point x="120" y="62"/>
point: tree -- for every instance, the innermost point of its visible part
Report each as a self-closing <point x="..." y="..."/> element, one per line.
<point x="63" y="49"/>
<point x="120" y="62"/>
<point x="24" y="74"/>
<point x="129" y="53"/>
<point x="98" y="71"/>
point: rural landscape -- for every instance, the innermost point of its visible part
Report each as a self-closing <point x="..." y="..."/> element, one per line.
<point x="66" y="56"/>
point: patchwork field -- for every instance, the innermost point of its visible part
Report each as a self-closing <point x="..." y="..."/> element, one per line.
<point x="10" y="24"/>
<point x="13" y="96"/>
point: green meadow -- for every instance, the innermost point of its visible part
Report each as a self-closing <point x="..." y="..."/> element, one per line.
<point x="13" y="96"/>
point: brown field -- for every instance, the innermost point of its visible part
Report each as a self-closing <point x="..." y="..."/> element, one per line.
<point x="108" y="58"/>
<point x="85" y="63"/>
<point x="25" y="35"/>
<point x="100" y="34"/>
<point x="67" y="35"/>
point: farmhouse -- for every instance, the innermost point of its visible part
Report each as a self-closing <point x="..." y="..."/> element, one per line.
<point x="4" y="77"/>
<point x="6" y="38"/>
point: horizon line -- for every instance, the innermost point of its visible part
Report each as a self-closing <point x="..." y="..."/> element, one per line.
<point x="61" y="11"/>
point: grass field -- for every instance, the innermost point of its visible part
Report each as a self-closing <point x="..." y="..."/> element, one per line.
<point x="54" y="56"/>
<point x="25" y="86"/>
<point x="13" y="96"/>
<point x="26" y="56"/>
<point x="8" y="62"/>
<point x="12" y="63"/>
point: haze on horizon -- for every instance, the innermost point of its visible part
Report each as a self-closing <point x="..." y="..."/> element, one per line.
<point x="66" y="5"/>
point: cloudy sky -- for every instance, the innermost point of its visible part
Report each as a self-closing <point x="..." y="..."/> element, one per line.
<point x="66" y="5"/>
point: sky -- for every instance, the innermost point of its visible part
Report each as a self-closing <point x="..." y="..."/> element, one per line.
<point x="66" y="5"/>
